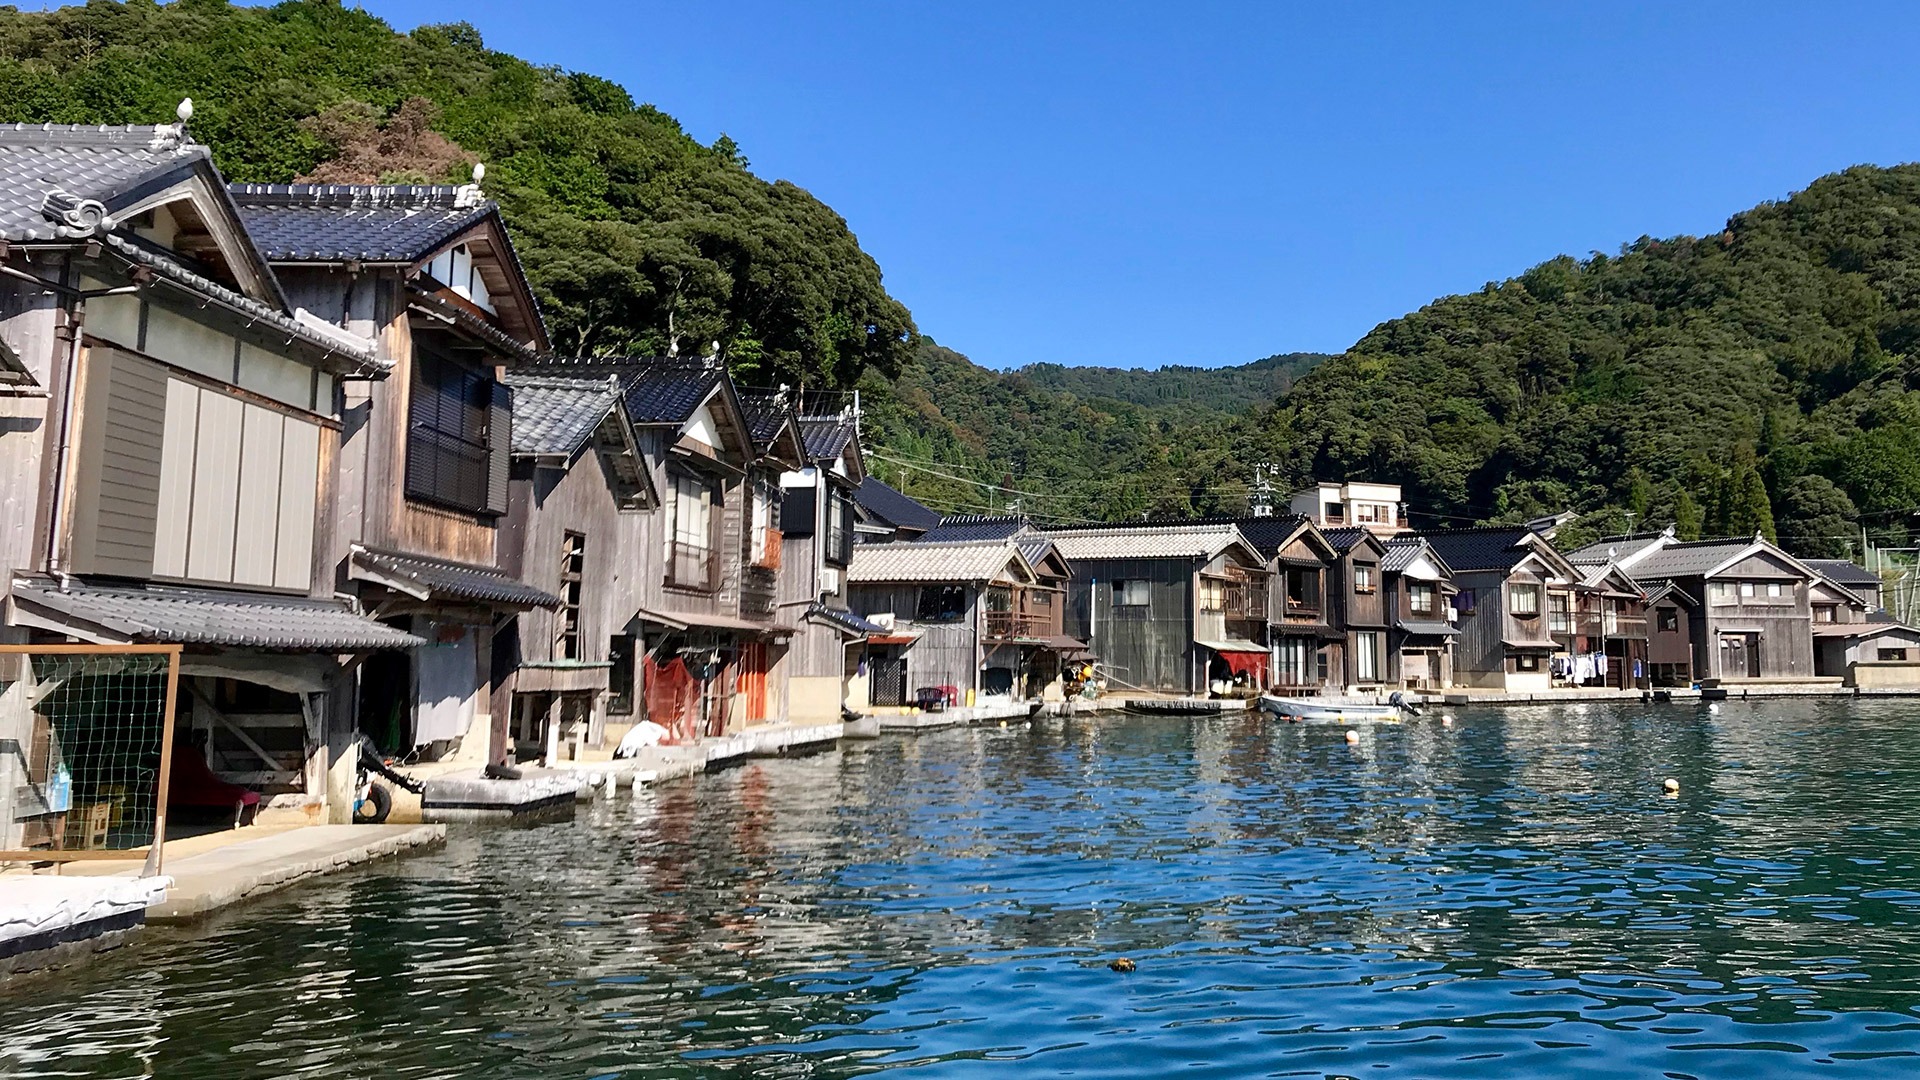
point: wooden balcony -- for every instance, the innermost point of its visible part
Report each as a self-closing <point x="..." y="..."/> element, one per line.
<point x="1010" y="625"/>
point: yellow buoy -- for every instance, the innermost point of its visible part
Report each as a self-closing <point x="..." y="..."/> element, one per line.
<point x="1672" y="786"/>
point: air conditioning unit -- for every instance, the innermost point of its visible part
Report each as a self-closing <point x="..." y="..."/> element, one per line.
<point x="829" y="579"/>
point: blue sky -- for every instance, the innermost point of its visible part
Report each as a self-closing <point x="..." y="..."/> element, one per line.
<point x="1137" y="184"/>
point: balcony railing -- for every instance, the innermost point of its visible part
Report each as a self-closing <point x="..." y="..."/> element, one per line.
<point x="692" y="566"/>
<point x="1612" y="624"/>
<point x="1018" y="624"/>
<point x="758" y="592"/>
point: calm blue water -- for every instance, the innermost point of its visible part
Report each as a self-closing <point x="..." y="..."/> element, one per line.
<point x="1510" y="897"/>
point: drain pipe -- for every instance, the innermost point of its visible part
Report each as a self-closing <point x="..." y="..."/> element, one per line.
<point x="68" y="331"/>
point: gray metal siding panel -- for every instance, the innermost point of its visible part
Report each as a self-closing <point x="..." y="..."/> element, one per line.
<point x="126" y="491"/>
<point x="258" y="515"/>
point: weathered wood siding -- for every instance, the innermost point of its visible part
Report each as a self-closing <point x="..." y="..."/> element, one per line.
<point x="947" y="654"/>
<point x="1148" y="647"/>
<point x="28" y="316"/>
<point x="1480" y="658"/>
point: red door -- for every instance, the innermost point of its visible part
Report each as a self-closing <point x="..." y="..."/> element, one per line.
<point x="753" y="680"/>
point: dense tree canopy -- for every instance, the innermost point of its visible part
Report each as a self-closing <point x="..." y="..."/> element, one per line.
<point x="638" y="238"/>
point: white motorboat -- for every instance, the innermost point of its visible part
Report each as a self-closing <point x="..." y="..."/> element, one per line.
<point x="1335" y="710"/>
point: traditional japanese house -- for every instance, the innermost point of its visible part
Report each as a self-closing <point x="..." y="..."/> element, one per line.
<point x="583" y="509"/>
<point x="168" y="457"/>
<point x="1755" y="614"/>
<point x="1854" y="639"/>
<point x="430" y="276"/>
<point x="822" y="517"/>
<point x="708" y="628"/>
<point x="1605" y="632"/>
<point x="1357" y="607"/>
<point x="885" y="514"/>
<point x="1170" y="608"/>
<point x="1298" y="562"/>
<point x="1418" y="588"/>
<point x="961" y="621"/>
<point x="1673" y="619"/>
<point x="1508" y="581"/>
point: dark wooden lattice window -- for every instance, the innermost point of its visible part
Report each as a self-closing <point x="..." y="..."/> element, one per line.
<point x="457" y="430"/>
<point x="573" y="566"/>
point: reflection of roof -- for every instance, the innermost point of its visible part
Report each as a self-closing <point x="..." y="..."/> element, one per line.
<point x="558" y="416"/>
<point x="893" y="506"/>
<point x="982" y="560"/>
<point x="844" y="619"/>
<point x="1844" y="572"/>
<point x="955" y="527"/>
<point x="1145" y="541"/>
<point x="209" y="617"/>
<point x="376" y="223"/>
<point x="1428" y="627"/>
<point x="428" y="578"/>
<point x="1495" y="548"/>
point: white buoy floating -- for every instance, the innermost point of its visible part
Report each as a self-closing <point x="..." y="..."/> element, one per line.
<point x="1352" y="736"/>
<point x="1671" y="786"/>
<point x="1446" y="720"/>
<point x="1713" y="707"/>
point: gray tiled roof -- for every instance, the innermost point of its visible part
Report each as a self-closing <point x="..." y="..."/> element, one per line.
<point x="657" y="391"/>
<point x="1613" y="547"/>
<point x="1844" y="572"/>
<point x="444" y="579"/>
<point x="1345" y="540"/>
<point x="1402" y="552"/>
<point x="966" y="561"/>
<point x="1266" y="534"/>
<point x="1428" y="627"/>
<point x="1689" y="559"/>
<point x="956" y="527"/>
<point x="213" y="617"/>
<point x="104" y="163"/>
<point x="1173" y="541"/>
<point x="1495" y="548"/>
<point x="767" y="412"/>
<point x="893" y="506"/>
<point x="558" y="415"/>
<point x="378" y="223"/>
<point x="827" y="437"/>
<point x="1035" y="547"/>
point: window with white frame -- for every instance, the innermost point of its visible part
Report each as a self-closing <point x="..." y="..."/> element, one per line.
<point x="1420" y="596"/>
<point x="690" y="561"/>
<point x="1523" y="599"/>
<point x="1366" y="656"/>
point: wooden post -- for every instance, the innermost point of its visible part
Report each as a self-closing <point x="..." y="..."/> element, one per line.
<point x="155" y="854"/>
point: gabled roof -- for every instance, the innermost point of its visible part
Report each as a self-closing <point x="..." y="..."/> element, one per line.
<point x="1269" y="534"/>
<point x="956" y="527"/>
<point x="1169" y="541"/>
<point x="558" y="415"/>
<point x="827" y="436"/>
<point x="1707" y="558"/>
<point x="972" y="561"/>
<point x="71" y="183"/>
<point x="1498" y="547"/>
<point x="1620" y="549"/>
<point x="1037" y="548"/>
<point x="1345" y="540"/>
<point x="1405" y="550"/>
<point x="892" y="506"/>
<point x="664" y="391"/>
<point x="368" y="223"/>
<point x="1845" y="572"/>
<point x="844" y="620"/>
<point x="1668" y="590"/>
<point x="767" y="412"/>
<point x="202" y="617"/>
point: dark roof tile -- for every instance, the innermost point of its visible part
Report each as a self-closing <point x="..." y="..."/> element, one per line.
<point x="963" y="527"/>
<point x="214" y="617"/>
<point x="558" y="415"/>
<point x="1492" y="548"/>
<point x="446" y="579"/>
<point x="894" y="507"/>
<point x="379" y="223"/>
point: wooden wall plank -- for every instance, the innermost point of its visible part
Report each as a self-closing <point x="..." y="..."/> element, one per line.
<point x="216" y="488"/>
<point x="299" y="490"/>
<point x="257" y="516"/>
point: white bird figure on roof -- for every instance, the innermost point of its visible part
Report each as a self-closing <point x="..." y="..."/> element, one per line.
<point x="184" y="110"/>
<point x="479" y="172"/>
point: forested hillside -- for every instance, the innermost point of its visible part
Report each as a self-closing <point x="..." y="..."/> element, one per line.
<point x="1766" y="377"/>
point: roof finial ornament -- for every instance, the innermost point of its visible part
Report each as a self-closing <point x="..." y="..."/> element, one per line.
<point x="479" y="172"/>
<point x="467" y="196"/>
<point x="184" y="110"/>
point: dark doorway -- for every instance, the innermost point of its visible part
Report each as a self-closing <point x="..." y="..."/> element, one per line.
<point x="386" y="699"/>
<point x="888" y="680"/>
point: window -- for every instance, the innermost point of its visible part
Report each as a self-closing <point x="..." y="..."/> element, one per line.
<point x="1296" y="662"/>
<point x="1362" y="578"/>
<point x="1893" y="654"/>
<point x="1040" y="598"/>
<point x="1669" y="620"/>
<point x="456" y="436"/>
<point x="1213" y="594"/>
<point x="1523" y="600"/>
<point x="1420" y="598"/>
<point x="941" y="603"/>
<point x="1366" y="656"/>
<point x="999" y="598"/>
<point x="1130" y="593"/>
<point x="690" y="561"/>
<point x="1722" y="592"/>
<point x="839" y="527"/>
<point x="620" y="674"/>
<point x="1559" y="614"/>
<point x="1825" y="612"/>
<point x="1373" y="513"/>
<point x="573" y="565"/>
<point x="1463" y="601"/>
<point x="1336" y="513"/>
<point x="763" y="537"/>
<point x="1303" y="590"/>
<point x="1526" y="662"/>
<point x="1746" y="590"/>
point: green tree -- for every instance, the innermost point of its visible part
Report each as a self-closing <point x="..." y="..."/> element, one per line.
<point x="1817" y="520"/>
<point x="1687" y="517"/>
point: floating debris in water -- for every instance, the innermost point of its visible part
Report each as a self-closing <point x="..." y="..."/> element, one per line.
<point x="1122" y="965"/>
<point x="1353" y="736"/>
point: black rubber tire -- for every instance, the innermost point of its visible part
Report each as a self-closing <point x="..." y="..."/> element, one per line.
<point x="375" y="810"/>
